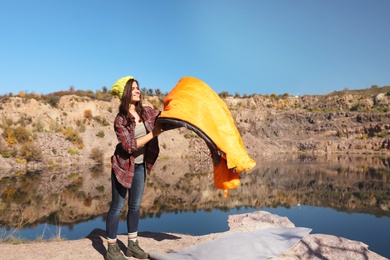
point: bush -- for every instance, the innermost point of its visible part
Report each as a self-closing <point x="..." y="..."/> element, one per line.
<point x="103" y="121"/>
<point x="88" y="114"/>
<point x="14" y="135"/>
<point x="22" y="134"/>
<point x="223" y="94"/>
<point x="100" y="189"/>
<point x="100" y="134"/>
<point x="31" y="152"/>
<point x="6" y="122"/>
<point x="8" y="136"/>
<point x="39" y="126"/>
<point x="6" y="154"/>
<point x="73" y="151"/>
<point x="52" y="100"/>
<point x="97" y="155"/>
<point x="71" y="135"/>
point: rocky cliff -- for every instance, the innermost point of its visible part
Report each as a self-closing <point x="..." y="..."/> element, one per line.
<point x="78" y="130"/>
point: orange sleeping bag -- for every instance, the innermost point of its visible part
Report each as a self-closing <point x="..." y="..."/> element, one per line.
<point x="194" y="105"/>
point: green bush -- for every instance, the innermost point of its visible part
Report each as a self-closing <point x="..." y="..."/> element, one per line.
<point x="100" y="188"/>
<point x="73" y="151"/>
<point x="101" y="120"/>
<point x="52" y="100"/>
<point x="100" y="134"/>
<point x="6" y="154"/>
<point x="223" y="94"/>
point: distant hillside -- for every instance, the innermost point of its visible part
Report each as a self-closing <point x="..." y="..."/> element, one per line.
<point x="76" y="127"/>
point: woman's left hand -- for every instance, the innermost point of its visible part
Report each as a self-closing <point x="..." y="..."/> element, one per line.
<point x="158" y="129"/>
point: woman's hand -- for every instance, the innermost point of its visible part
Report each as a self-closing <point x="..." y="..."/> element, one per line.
<point x="158" y="129"/>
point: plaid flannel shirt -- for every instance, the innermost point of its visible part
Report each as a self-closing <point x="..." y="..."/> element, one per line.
<point x="123" y="159"/>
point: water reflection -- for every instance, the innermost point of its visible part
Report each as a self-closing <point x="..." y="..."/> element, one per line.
<point x="68" y="196"/>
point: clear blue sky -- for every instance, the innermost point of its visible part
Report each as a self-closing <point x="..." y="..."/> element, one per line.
<point x="245" y="47"/>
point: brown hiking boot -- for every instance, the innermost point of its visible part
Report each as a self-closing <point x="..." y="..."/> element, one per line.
<point x="114" y="253"/>
<point x="134" y="250"/>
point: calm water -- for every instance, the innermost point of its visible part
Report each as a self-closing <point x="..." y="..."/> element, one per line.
<point x="366" y="228"/>
<point x="342" y="197"/>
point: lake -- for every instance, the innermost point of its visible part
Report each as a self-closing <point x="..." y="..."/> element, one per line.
<point x="347" y="196"/>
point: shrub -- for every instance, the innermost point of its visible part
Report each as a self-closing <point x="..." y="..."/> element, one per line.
<point x="52" y="100"/>
<point x="8" y="136"/>
<point x="88" y="114"/>
<point x="100" y="134"/>
<point x="383" y="134"/>
<point x="190" y="135"/>
<point x="82" y="128"/>
<point x="6" y="154"/>
<point x="54" y="126"/>
<point x="21" y="134"/>
<point x="97" y="155"/>
<point x="100" y="189"/>
<point x="24" y="120"/>
<point x="20" y="160"/>
<point x="73" y="151"/>
<point x="223" y="94"/>
<point x="31" y="152"/>
<point x="88" y="202"/>
<point x="103" y="121"/>
<point x="71" y="135"/>
<point x="39" y="126"/>
<point x="6" y="122"/>
<point x="14" y="135"/>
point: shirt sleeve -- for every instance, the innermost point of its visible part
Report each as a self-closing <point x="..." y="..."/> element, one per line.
<point x="125" y="134"/>
<point x="150" y="117"/>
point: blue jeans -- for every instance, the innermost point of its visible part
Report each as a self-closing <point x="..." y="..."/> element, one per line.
<point x="118" y="200"/>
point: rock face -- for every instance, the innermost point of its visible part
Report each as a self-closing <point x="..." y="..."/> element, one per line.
<point x="78" y="128"/>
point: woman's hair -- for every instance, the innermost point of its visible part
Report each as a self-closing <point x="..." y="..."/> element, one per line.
<point x="126" y="101"/>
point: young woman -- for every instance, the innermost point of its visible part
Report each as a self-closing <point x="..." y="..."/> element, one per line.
<point x="134" y="155"/>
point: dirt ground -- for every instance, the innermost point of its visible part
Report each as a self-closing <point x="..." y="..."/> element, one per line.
<point x="95" y="246"/>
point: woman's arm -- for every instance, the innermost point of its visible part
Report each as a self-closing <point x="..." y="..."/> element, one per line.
<point x="125" y="135"/>
<point x="146" y="138"/>
<point x="150" y="118"/>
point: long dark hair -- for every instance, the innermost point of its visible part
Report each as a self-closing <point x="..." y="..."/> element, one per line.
<point x="126" y="101"/>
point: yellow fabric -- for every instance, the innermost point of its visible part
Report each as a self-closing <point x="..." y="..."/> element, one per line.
<point x="193" y="101"/>
<point x="119" y="86"/>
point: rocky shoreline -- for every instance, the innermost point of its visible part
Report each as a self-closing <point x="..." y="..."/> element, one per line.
<point x="311" y="246"/>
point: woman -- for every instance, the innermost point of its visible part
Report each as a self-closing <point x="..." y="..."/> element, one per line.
<point x="134" y="155"/>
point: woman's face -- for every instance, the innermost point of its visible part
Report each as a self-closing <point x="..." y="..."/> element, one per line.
<point x="135" y="93"/>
